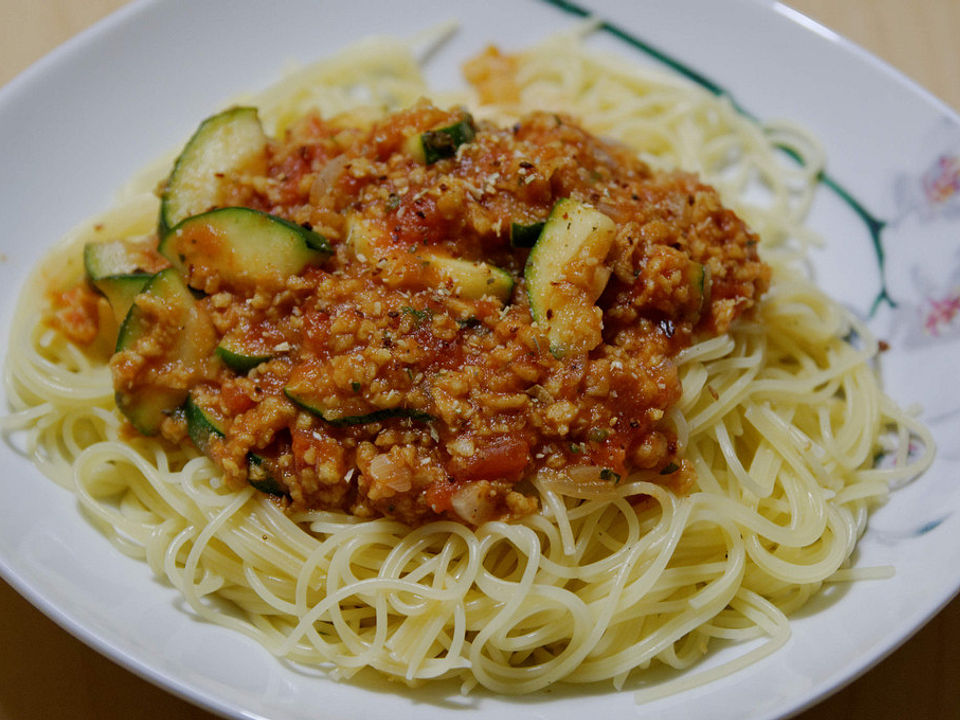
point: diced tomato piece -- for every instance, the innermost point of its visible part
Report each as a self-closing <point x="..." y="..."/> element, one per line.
<point x="439" y="495"/>
<point x="234" y="400"/>
<point x="503" y="457"/>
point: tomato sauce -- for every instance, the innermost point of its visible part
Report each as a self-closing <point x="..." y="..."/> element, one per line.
<point x="422" y="402"/>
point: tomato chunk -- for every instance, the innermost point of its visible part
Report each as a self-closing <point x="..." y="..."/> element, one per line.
<point x="502" y="457"/>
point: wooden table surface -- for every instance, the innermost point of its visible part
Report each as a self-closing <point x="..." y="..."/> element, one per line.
<point x="46" y="673"/>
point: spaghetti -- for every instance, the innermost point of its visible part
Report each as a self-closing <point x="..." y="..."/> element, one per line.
<point x="780" y="419"/>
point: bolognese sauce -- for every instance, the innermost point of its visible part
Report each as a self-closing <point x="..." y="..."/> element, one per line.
<point x="410" y="368"/>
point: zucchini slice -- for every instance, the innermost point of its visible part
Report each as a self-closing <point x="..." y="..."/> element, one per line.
<point x="470" y="279"/>
<point x="112" y="268"/>
<point x="147" y="406"/>
<point x="242" y="246"/>
<point x="565" y="274"/>
<point x="201" y="425"/>
<point x="120" y="291"/>
<point x="229" y="142"/>
<point x="168" y="286"/>
<point x="301" y="396"/>
<point x="110" y="259"/>
<point x="443" y="142"/>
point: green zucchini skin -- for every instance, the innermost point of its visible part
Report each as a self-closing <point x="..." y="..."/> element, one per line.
<point x="379" y="415"/>
<point x="248" y="247"/>
<point x="302" y="399"/>
<point x="525" y="235"/>
<point x="238" y="360"/>
<point x="225" y="143"/>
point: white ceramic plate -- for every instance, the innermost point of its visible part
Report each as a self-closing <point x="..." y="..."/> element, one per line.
<point x="82" y="121"/>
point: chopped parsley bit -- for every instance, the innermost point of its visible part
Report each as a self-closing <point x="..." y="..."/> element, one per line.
<point x="393" y="201"/>
<point x="669" y="469"/>
<point x="356" y="386"/>
<point x="576" y="448"/>
<point x="419" y="315"/>
<point x="409" y="374"/>
<point x="608" y="474"/>
<point x="470" y="322"/>
<point x="598" y="434"/>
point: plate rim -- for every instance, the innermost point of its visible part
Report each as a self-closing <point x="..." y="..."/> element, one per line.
<point x="143" y="668"/>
